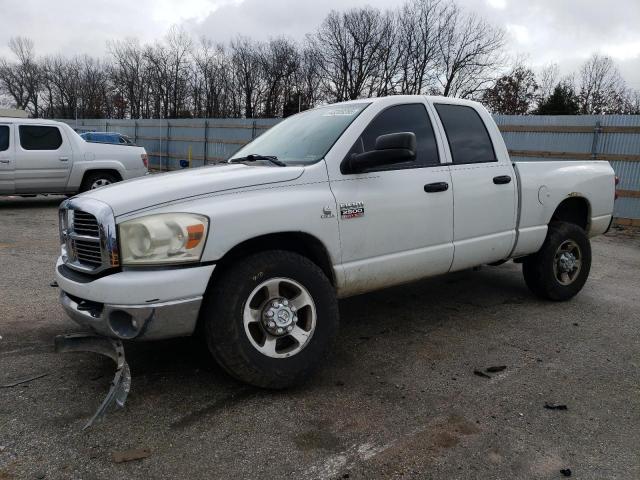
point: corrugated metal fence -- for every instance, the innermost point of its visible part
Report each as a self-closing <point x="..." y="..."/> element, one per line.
<point x="615" y="138"/>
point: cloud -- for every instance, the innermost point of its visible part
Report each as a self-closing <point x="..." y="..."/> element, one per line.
<point x="566" y="32"/>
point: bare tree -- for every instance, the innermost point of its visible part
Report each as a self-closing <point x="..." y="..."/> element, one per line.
<point x="601" y="87"/>
<point x="547" y="81"/>
<point x="350" y="46"/>
<point x="21" y="80"/>
<point x="470" y="51"/>
<point x="418" y="45"/>
<point x="128" y="73"/>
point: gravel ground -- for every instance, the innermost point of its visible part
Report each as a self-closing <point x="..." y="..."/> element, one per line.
<point x="397" y="399"/>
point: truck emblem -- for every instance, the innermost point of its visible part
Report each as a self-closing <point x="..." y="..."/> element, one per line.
<point x="327" y="212"/>
<point x="351" y="210"/>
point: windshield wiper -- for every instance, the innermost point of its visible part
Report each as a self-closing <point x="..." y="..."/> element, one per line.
<point x="254" y="158"/>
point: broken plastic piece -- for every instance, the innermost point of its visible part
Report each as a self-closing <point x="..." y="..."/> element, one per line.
<point x="566" y="472"/>
<point x="555" y="406"/>
<point x="112" y="348"/>
<point x="481" y="374"/>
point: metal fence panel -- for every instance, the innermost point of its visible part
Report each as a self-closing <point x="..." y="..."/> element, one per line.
<point x="196" y="142"/>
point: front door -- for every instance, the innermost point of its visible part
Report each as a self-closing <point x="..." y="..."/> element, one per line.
<point x="396" y="222"/>
<point x="43" y="159"/>
<point x="6" y="160"/>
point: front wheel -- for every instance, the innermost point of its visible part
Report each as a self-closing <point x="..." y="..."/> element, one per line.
<point x="559" y="270"/>
<point x="270" y="318"/>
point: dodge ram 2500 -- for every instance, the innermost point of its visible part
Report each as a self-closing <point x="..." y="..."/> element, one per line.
<point x="335" y="201"/>
<point x="44" y="156"/>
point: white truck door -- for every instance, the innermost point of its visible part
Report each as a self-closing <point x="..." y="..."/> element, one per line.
<point x="484" y="189"/>
<point x="43" y="159"/>
<point x="396" y="222"/>
<point x="6" y="160"/>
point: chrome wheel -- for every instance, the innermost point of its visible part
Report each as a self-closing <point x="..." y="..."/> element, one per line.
<point x="100" y="182"/>
<point x="279" y="317"/>
<point x="567" y="262"/>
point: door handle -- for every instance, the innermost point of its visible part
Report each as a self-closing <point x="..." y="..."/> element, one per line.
<point x="436" y="187"/>
<point x="502" y="179"/>
<point x="64" y="159"/>
<point x="2" y="160"/>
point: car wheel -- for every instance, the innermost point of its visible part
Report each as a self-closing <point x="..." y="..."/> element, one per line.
<point x="559" y="270"/>
<point x="270" y="318"/>
<point x="97" y="180"/>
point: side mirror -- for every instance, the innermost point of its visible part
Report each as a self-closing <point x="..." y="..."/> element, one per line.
<point x="390" y="149"/>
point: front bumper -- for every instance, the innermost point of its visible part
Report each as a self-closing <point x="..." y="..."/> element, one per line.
<point x="140" y="305"/>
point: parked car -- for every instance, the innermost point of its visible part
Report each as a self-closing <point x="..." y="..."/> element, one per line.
<point x="44" y="156"/>
<point x="333" y="202"/>
<point x="107" y="137"/>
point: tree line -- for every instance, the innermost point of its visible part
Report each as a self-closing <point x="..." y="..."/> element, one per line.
<point x="422" y="47"/>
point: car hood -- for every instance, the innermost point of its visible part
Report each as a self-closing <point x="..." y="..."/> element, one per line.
<point x="156" y="189"/>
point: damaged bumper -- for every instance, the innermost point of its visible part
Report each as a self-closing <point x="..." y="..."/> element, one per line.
<point x="135" y="304"/>
<point x="141" y="322"/>
<point x="121" y="384"/>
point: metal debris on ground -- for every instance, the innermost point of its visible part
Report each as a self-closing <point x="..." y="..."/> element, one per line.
<point x="566" y="472"/>
<point x="24" y="380"/>
<point x="555" y="406"/>
<point x="497" y="368"/>
<point x="481" y="374"/>
<point x="130" y="455"/>
<point x="53" y="284"/>
<point x="112" y="348"/>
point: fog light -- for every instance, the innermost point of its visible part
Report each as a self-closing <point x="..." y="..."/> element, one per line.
<point x="123" y="324"/>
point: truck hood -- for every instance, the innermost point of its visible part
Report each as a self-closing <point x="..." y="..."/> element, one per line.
<point x="156" y="189"/>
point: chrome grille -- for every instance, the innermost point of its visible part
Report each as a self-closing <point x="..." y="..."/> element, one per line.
<point x="87" y="251"/>
<point x="87" y="235"/>
<point x="85" y="224"/>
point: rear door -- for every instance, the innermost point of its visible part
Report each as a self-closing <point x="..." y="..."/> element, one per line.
<point x="484" y="189"/>
<point x="6" y="159"/>
<point x="43" y="159"/>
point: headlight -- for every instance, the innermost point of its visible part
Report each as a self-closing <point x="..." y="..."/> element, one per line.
<point x="163" y="239"/>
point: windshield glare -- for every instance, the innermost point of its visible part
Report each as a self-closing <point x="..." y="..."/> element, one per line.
<point x="306" y="137"/>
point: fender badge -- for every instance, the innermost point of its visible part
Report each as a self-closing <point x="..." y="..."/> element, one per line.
<point x="351" y="210"/>
<point x="327" y="212"/>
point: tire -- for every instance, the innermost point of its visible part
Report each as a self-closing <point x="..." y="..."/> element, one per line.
<point x="549" y="273"/>
<point x="92" y="178"/>
<point x="246" y="290"/>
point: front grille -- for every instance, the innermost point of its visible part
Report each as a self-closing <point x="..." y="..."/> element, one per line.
<point x="85" y="224"/>
<point x="85" y="240"/>
<point x="88" y="252"/>
<point x="88" y="235"/>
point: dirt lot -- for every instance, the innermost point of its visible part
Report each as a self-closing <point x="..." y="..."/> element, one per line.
<point x="397" y="399"/>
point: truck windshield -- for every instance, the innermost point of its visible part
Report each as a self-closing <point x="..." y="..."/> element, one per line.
<point x="306" y="137"/>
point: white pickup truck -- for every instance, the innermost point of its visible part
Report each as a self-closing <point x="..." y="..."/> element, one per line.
<point x="335" y="201"/>
<point x="44" y="156"/>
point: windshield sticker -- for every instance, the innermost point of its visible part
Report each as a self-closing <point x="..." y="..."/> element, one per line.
<point x="341" y="111"/>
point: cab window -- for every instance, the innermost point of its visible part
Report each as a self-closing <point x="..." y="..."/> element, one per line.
<point x="37" y="137"/>
<point x="4" y="138"/>
<point x="402" y="118"/>
<point x="467" y="135"/>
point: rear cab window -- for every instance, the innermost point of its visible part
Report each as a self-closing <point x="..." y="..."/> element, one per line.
<point x="4" y="138"/>
<point x="469" y="140"/>
<point x="39" y="137"/>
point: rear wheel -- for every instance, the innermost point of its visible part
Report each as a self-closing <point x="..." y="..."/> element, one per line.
<point x="559" y="270"/>
<point x="95" y="180"/>
<point x="270" y="319"/>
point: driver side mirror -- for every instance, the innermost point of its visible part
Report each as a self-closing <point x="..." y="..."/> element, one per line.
<point x="390" y="149"/>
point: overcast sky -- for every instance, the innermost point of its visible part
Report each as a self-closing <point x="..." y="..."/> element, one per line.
<point x="561" y="31"/>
